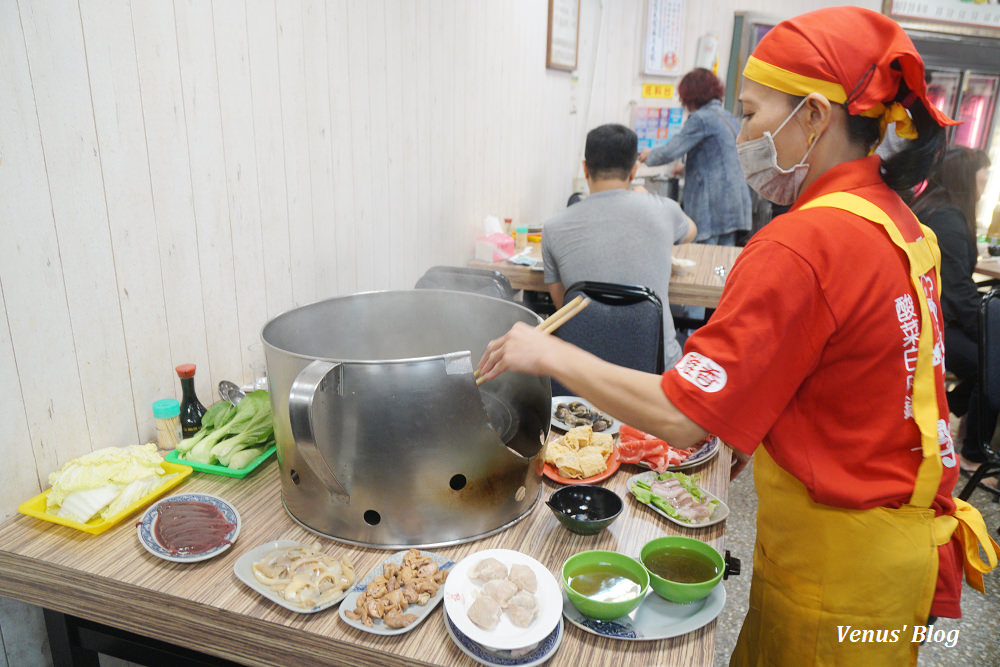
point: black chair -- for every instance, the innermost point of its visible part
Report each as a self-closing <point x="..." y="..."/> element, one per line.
<point x="988" y="390"/>
<point x="464" y="279"/>
<point x="623" y="324"/>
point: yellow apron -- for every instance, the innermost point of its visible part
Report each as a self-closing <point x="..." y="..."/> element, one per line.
<point x="813" y="599"/>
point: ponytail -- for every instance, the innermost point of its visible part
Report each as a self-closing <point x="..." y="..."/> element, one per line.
<point x="911" y="165"/>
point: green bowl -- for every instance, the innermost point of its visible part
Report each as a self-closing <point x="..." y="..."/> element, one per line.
<point x="597" y="609"/>
<point x="675" y="591"/>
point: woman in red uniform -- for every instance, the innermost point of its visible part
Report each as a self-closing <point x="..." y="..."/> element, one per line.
<point x="824" y="357"/>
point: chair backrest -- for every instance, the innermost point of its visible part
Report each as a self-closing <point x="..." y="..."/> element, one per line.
<point x="623" y="324"/>
<point x="989" y="368"/>
<point x="465" y="279"/>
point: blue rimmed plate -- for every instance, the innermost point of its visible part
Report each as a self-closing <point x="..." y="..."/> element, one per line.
<point x="421" y="611"/>
<point x="147" y="533"/>
<point x="655" y="618"/>
<point x="703" y="453"/>
<point x="535" y="655"/>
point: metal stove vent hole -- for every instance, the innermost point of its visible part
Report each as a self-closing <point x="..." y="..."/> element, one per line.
<point x="372" y="518"/>
<point x="457" y="482"/>
<point x="295" y="477"/>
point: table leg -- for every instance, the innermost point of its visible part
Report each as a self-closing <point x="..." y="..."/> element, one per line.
<point x="64" y="642"/>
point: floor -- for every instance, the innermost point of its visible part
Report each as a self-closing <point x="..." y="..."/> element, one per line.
<point x="977" y="634"/>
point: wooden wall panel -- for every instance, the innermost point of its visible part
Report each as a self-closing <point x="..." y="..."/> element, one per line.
<point x="171" y="175"/>
<point x="359" y="44"/>
<point x="32" y="276"/>
<point x="214" y="230"/>
<point x="72" y="164"/>
<point x="269" y="144"/>
<point x="320" y="162"/>
<point x="121" y="141"/>
<point x="343" y="171"/>
<point x="241" y="180"/>
<point x="294" y="123"/>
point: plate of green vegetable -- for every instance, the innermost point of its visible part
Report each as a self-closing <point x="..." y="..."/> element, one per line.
<point x="692" y="494"/>
<point x="233" y="440"/>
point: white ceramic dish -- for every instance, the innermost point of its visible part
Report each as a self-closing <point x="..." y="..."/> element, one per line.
<point x="461" y="591"/>
<point x="718" y="516"/>
<point x="536" y="655"/>
<point x="420" y="611"/>
<point x="147" y="534"/>
<point x="556" y="400"/>
<point x="654" y="619"/>
<point x="243" y="569"/>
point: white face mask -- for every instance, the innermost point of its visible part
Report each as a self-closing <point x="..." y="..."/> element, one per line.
<point x="759" y="160"/>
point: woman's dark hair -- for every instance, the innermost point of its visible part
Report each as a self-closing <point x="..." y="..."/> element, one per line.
<point x="952" y="182"/>
<point x="905" y="169"/>
<point x="699" y="87"/>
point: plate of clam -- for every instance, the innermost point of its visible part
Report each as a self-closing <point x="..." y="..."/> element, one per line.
<point x="571" y="411"/>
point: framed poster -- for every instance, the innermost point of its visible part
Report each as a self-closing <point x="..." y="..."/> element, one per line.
<point x="564" y="34"/>
<point x="664" y="39"/>
<point x="962" y="17"/>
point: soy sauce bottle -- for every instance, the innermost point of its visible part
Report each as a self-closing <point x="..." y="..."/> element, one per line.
<point x="191" y="408"/>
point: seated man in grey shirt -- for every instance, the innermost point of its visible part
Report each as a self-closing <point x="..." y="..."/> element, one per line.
<point x="616" y="235"/>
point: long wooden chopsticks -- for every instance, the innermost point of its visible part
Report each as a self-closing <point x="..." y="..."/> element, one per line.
<point x="554" y="321"/>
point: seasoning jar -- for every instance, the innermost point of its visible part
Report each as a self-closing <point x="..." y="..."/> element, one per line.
<point x="192" y="409"/>
<point x="167" y="412"/>
<point x="521" y="238"/>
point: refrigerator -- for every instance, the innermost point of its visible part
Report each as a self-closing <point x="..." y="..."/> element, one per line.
<point x="963" y="80"/>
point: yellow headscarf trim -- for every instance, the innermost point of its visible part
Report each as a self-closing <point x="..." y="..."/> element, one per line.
<point x="800" y="85"/>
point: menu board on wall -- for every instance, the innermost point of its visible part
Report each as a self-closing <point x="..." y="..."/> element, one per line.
<point x="664" y="41"/>
<point x="981" y="17"/>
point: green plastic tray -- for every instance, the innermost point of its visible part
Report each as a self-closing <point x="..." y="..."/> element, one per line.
<point x="173" y="457"/>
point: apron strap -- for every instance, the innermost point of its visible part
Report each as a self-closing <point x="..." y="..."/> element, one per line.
<point x="924" y="256"/>
<point x="967" y="523"/>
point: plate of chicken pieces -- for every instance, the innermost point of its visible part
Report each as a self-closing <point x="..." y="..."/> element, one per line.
<point x="398" y="594"/>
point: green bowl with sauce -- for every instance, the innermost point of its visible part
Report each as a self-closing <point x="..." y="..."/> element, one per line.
<point x="682" y="569"/>
<point x="604" y="585"/>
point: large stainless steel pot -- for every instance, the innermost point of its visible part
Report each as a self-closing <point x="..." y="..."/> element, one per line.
<point x="384" y="439"/>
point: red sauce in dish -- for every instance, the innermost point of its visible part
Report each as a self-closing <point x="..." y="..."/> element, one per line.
<point x="190" y="526"/>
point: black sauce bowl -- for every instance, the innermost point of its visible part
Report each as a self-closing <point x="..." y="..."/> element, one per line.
<point x="585" y="509"/>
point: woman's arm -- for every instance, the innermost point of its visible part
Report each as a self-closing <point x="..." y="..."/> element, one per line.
<point x="959" y="296"/>
<point x="631" y="396"/>
<point x="692" y="132"/>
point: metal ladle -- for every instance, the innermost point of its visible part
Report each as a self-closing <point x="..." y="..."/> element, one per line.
<point x="230" y="391"/>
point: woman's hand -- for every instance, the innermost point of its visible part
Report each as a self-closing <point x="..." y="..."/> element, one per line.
<point x="644" y="154"/>
<point x="524" y="348"/>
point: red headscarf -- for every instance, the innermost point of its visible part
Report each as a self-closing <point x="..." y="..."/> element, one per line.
<point x="849" y="54"/>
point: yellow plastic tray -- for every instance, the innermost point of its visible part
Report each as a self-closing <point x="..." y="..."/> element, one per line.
<point x="36" y="506"/>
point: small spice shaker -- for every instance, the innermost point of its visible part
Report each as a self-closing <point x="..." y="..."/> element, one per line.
<point x="167" y="412"/>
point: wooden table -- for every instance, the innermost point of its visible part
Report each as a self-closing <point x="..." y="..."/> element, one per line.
<point x="988" y="266"/>
<point x="700" y="286"/>
<point x="112" y="580"/>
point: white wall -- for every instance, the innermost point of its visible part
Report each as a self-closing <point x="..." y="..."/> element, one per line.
<point x="174" y="174"/>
